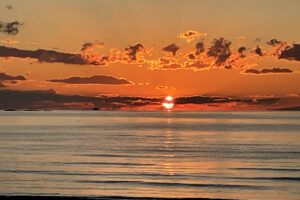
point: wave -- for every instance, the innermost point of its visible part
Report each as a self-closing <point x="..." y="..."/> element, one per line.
<point x="269" y="169"/>
<point x="107" y="163"/>
<point x="173" y="184"/>
<point x="66" y="173"/>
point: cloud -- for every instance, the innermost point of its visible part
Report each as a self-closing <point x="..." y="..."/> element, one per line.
<point x="166" y="89"/>
<point x="291" y="53"/>
<point x="273" y="42"/>
<point x="9" y="41"/>
<point x="191" y="56"/>
<point x="199" y="48"/>
<point x="48" y="56"/>
<point x="161" y="87"/>
<point x="5" y="77"/>
<point x="131" y="55"/>
<point x="228" y="103"/>
<point x="191" y="35"/>
<point x="277" y="47"/>
<point x="266" y="71"/>
<point x="88" y="46"/>
<point x="258" y="51"/>
<point x="294" y="108"/>
<point x="9" y="7"/>
<point x="241" y="51"/>
<point x="98" y="79"/>
<point x="172" y="66"/>
<point x="220" y="49"/>
<point x="173" y="48"/>
<point x="276" y="70"/>
<point x="90" y="53"/>
<point x="205" y="100"/>
<point x="197" y="65"/>
<point x="266" y="100"/>
<point x="252" y="71"/>
<point x="49" y="99"/>
<point x="133" y="50"/>
<point x="10" y="28"/>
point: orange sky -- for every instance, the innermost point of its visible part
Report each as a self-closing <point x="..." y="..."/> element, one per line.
<point x="152" y="49"/>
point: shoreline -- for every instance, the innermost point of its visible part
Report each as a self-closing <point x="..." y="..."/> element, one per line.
<point x="42" y="197"/>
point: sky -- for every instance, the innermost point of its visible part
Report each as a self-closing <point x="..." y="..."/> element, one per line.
<point x="130" y="54"/>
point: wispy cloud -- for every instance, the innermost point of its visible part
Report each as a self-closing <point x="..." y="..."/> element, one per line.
<point x="9" y="41"/>
<point x="5" y="78"/>
<point x="267" y="71"/>
<point x="10" y="28"/>
<point x="49" y="99"/>
<point x="97" y="79"/>
<point x="42" y="55"/>
<point x="191" y="35"/>
<point x="220" y="50"/>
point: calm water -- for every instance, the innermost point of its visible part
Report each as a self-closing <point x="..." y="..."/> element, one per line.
<point x="240" y="155"/>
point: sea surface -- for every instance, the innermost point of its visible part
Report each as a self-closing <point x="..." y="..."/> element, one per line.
<point x="234" y="155"/>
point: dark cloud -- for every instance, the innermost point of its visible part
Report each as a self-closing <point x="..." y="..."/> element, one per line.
<point x="48" y="56"/>
<point x="291" y="53"/>
<point x="11" y="28"/>
<point x="90" y="53"/>
<point x="89" y="45"/>
<point x="132" y="50"/>
<point x="294" y="108"/>
<point x="276" y="70"/>
<point x="266" y="71"/>
<point x="9" y="7"/>
<point x="191" y="56"/>
<point x="258" y="51"/>
<point x="273" y="42"/>
<point x="252" y="71"/>
<point x="49" y="99"/>
<point x="241" y="51"/>
<point x="5" y="77"/>
<point x="204" y="100"/>
<point x="224" y="100"/>
<point x="199" y="48"/>
<point x="98" y="79"/>
<point x="220" y="49"/>
<point x="173" y="48"/>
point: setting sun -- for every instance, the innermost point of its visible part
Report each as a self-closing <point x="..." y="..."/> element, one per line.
<point x="168" y="103"/>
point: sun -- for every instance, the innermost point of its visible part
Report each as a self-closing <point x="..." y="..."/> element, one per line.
<point x="168" y="103"/>
<point x="169" y="98"/>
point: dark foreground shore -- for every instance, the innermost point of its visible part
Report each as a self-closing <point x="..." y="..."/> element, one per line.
<point x="94" y="198"/>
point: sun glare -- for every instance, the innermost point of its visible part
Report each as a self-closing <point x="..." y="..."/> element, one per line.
<point x="169" y="98"/>
<point x="168" y="103"/>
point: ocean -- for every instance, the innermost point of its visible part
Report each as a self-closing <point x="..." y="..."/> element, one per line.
<point x="158" y="154"/>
